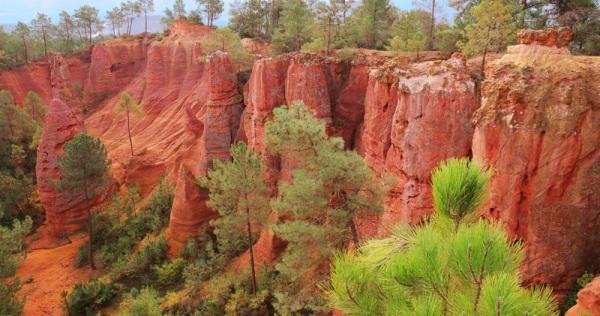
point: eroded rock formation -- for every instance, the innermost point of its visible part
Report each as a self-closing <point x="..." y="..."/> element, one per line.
<point x="538" y="128"/>
<point x="588" y="300"/>
<point x="65" y="213"/>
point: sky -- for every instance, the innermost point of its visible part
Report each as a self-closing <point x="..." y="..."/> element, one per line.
<point x="12" y="11"/>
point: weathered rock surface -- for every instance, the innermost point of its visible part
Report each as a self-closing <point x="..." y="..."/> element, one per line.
<point x="414" y="118"/>
<point x="588" y="300"/>
<point x="538" y="128"/>
<point x="218" y="128"/>
<point x="32" y="77"/>
<point x="65" y="213"/>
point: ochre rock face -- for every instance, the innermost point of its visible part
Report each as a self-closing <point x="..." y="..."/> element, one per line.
<point x="32" y="77"/>
<point x="538" y="128"/>
<point x="548" y="37"/>
<point x="588" y="300"/>
<point x="431" y="122"/>
<point x="65" y="213"/>
<point x="218" y="129"/>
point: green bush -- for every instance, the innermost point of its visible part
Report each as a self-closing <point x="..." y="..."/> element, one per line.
<point x="86" y="299"/>
<point x="81" y="257"/>
<point x="141" y="303"/>
<point x="170" y="273"/>
<point x="9" y="304"/>
<point x="116" y="237"/>
<point x="139" y="265"/>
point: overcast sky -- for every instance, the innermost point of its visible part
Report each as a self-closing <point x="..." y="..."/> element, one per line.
<point x="12" y="11"/>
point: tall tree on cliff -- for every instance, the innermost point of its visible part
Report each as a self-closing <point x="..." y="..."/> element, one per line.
<point x="131" y="9"/>
<point x="330" y="188"/>
<point x="295" y="26"/>
<point x="212" y="9"/>
<point x="432" y="7"/>
<point x="42" y="25"/>
<point x="65" y="27"/>
<point x="370" y="23"/>
<point x="238" y="192"/>
<point x="407" y="32"/>
<point x="146" y="6"/>
<point x="130" y="107"/>
<point x="329" y="18"/>
<point x="492" y="30"/>
<point x="87" y="17"/>
<point x="84" y="170"/>
<point x="22" y="31"/>
<point x="248" y="19"/>
<point x="454" y="264"/>
<point x="116" y="18"/>
<point x="226" y="40"/>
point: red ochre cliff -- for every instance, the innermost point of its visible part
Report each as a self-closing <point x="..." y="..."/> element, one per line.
<point x="537" y="127"/>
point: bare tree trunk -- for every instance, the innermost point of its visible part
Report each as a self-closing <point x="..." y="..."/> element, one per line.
<point x="432" y="26"/>
<point x="129" y="133"/>
<point x="249" y="227"/>
<point x="45" y="43"/>
<point x="90" y="230"/>
<point x="145" y="22"/>
<point x="25" y="48"/>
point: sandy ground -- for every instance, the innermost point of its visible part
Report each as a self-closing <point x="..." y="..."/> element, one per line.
<point x="50" y="271"/>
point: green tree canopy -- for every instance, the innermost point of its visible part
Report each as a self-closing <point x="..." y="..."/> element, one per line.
<point x="238" y="192"/>
<point x="295" y="27"/>
<point x="329" y="189"/>
<point x="84" y="170"/>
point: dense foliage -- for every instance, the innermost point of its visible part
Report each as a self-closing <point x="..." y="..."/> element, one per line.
<point x="84" y="172"/>
<point x="450" y="265"/>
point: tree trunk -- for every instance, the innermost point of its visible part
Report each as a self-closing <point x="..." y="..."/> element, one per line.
<point x="129" y="133"/>
<point x="354" y="232"/>
<point x="25" y="48"/>
<point x="432" y="26"/>
<point x="45" y="43"/>
<point x="252" y="264"/>
<point x="90" y="230"/>
<point x="145" y="22"/>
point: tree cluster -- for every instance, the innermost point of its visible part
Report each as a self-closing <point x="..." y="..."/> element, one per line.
<point x="480" y="26"/>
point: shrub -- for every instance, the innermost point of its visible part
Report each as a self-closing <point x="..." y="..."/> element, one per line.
<point x="81" y="257"/>
<point x="9" y="304"/>
<point x="86" y="299"/>
<point x="170" y="273"/>
<point x="139" y="265"/>
<point x="141" y="303"/>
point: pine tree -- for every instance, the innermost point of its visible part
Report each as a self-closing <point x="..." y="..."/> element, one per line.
<point x="295" y="26"/>
<point x="42" y="26"/>
<point x="407" y="33"/>
<point x="226" y="40"/>
<point x="330" y="187"/>
<point x="212" y="9"/>
<point x="34" y="106"/>
<point x="238" y="192"/>
<point x="116" y="18"/>
<point x="492" y="30"/>
<point x="454" y="264"/>
<point x="22" y="31"/>
<point x="370" y="23"/>
<point x="83" y="170"/>
<point x="130" y="107"/>
<point x="66" y="26"/>
<point x="87" y="17"/>
<point x="146" y="6"/>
